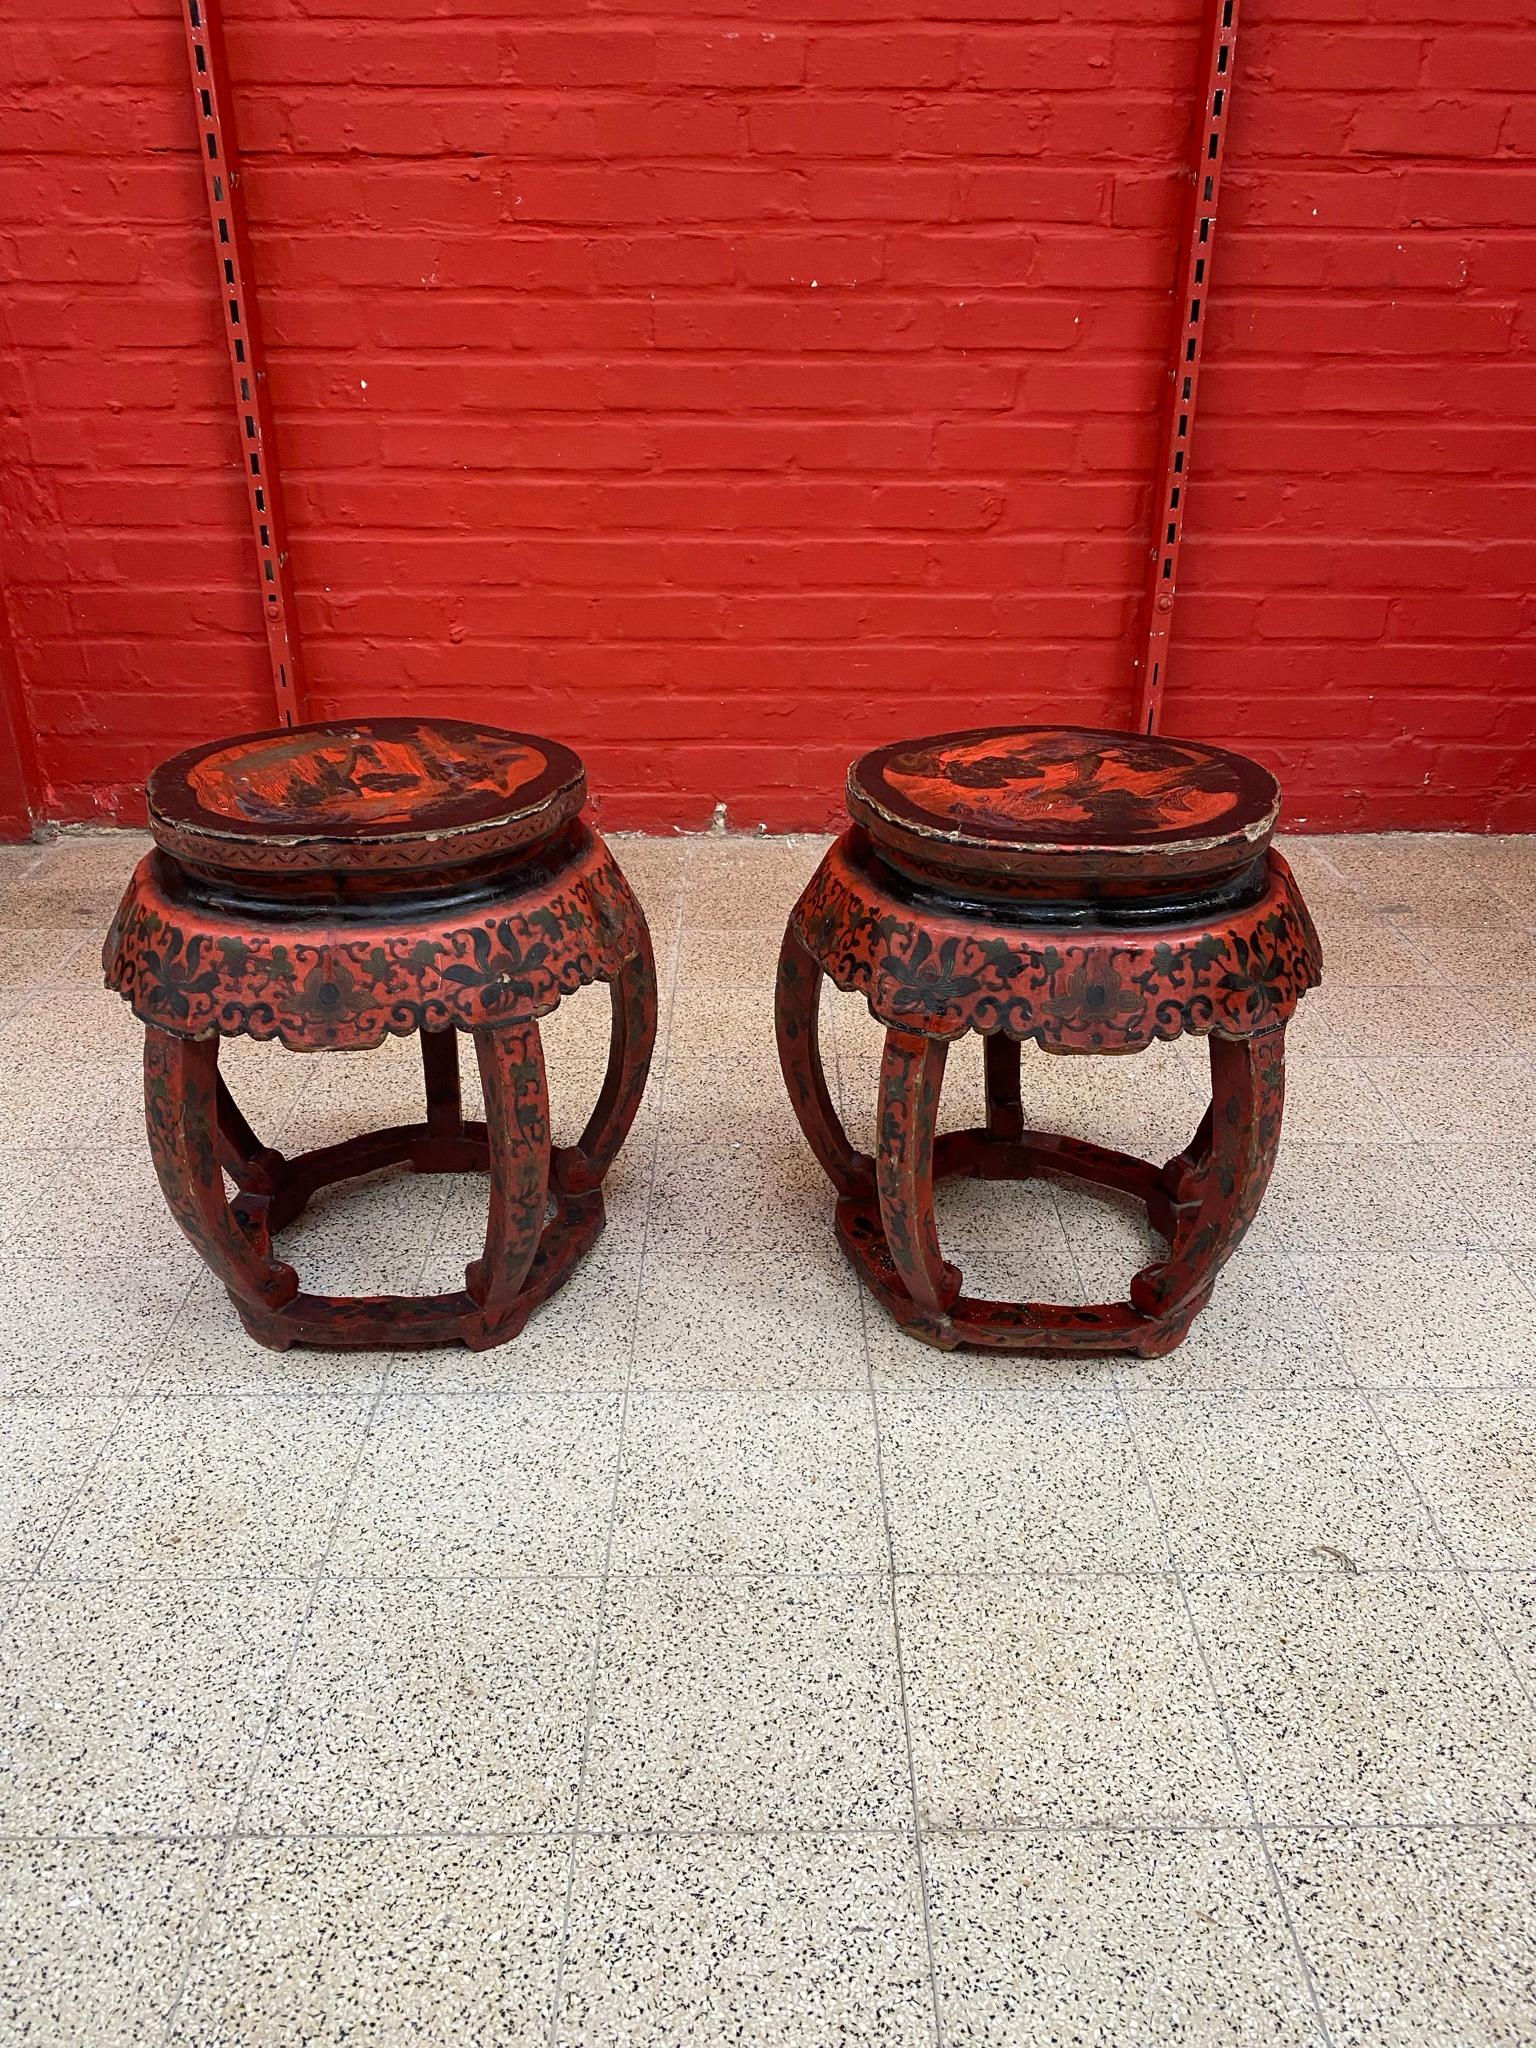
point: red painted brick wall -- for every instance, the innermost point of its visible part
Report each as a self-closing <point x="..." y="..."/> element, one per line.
<point x="725" y="393"/>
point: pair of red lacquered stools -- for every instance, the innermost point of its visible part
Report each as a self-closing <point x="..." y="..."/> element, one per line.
<point x="1089" y="891"/>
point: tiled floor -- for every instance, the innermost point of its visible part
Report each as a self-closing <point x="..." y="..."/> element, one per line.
<point x="715" y="1664"/>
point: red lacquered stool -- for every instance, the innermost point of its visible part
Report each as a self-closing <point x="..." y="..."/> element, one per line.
<point x="1091" y="891"/>
<point x="331" y="884"/>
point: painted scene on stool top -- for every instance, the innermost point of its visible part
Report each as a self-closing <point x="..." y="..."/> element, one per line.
<point x="1068" y="785"/>
<point x="361" y="776"/>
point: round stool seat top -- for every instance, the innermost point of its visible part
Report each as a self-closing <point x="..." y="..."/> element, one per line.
<point x="1064" y="812"/>
<point x="386" y="796"/>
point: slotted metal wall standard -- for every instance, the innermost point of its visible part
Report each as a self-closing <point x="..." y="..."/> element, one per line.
<point x="242" y="325"/>
<point x="1216" y="64"/>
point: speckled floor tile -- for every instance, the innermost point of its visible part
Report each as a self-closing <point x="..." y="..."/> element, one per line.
<point x="1148" y="1104"/>
<point x="1376" y="1023"/>
<point x="270" y="1083"/>
<point x="1341" y="1100"/>
<point x="1041" y="1271"/>
<point x="747" y="1703"/>
<point x="137" y="1708"/>
<point x="1014" y="1481"/>
<point x="756" y="1942"/>
<point x="85" y="1326"/>
<point x="452" y="1483"/>
<point x="1473" y="1457"/>
<point x="201" y="1488"/>
<point x="728" y="963"/>
<point x="17" y="861"/>
<point x="789" y="1317"/>
<point x="1430" y="1319"/>
<point x="749" y="1482"/>
<point x="1365" y="953"/>
<point x="582" y="1337"/>
<point x="1417" y="1936"/>
<point x="1475" y="955"/>
<point x="459" y="1236"/>
<point x="77" y="1207"/>
<point x="1459" y="1098"/>
<point x="737" y="883"/>
<point x="436" y="1943"/>
<point x="95" y="1936"/>
<point x="74" y="882"/>
<point x="723" y="1001"/>
<point x="206" y="1351"/>
<point x="1059" y="1699"/>
<point x="1494" y="1187"/>
<point x="1325" y="1196"/>
<point x="1398" y="867"/>
<point x="1112" y="1939"/>
<point x="976" y="1216"/>
<point x="368" y="1236"/>
<point x="1366" y="1696"/>
<point x="46" y="1106"/>
<point x="101" y="857"/>
<point x="1267" y="1480"/>
<point x="300" y="1101"/>
<point x="653" y="867"/>
<point x="1265" y="1330"/>
<point x="723" y="1089"/>
<point x="740" y="1671"/>
<point x="1513" y="1010"/>
<point x="1508" y="1599"/>
<point x="454" y="1705"/>
<point x="93" y="1027"/>
<point x="1109" y="1238"/>
<point x="1505" y="861"/>
<point x="47" y="1450"/>
<point x="725" y="1189"/>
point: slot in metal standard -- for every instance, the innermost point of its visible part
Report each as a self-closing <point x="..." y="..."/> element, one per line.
<point x="220" y="159"/>
<point x="1216" y="61"/>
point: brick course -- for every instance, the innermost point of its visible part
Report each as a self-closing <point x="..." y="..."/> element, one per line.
<point x="728" y="393"/>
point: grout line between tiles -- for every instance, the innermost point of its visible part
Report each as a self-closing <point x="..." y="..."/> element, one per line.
<point x="650" y="1574"/>
<point x="940" y="1831"/>
<point x="919" y="1853"/>
<point x="108" y="1440"/>
<point x="1465" y="1573"/>
<point x="600" y="1619"/>
<point x="1219" y="1707"/>
<point x="278" y="1701"/>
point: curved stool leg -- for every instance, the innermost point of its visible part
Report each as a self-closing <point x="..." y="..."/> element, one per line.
<point x="182" y="1111"/>
<point x="797" y="1023"/>
<point x="911" y="1075"/>
<point x="511" y="1060"/>
<point x="582" y="1167"/>
<point x="1220" y="1180"/>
